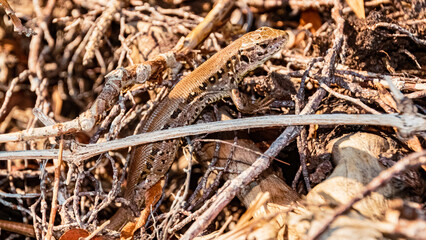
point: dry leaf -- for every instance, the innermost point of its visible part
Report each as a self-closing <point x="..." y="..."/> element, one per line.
<point x="310" y="16"/>
<point x="310" y="20"/>
<point x="152" y="196"/>
<point x="75" y="234"/>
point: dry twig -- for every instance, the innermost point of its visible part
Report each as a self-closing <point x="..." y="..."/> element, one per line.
<point x="406" y="124"/>
<point x="54" y="205"/>
<point x="15" y="20"/>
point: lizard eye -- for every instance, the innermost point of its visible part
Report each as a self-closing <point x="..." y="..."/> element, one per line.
<point x="244" y="58"/>
<point x="264" y="45"/>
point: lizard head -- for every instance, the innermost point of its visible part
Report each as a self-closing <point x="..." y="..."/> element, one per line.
<point x="257" y="47"/>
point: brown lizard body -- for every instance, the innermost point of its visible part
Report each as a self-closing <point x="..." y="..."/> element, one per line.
<point x="211" y="81"/>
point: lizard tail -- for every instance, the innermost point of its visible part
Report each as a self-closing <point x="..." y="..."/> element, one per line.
<point x="120" y="218"/>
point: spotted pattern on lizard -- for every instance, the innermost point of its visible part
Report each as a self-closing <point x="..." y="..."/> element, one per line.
<point x="210" y="82"/>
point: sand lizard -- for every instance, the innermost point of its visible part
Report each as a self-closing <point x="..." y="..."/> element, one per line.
<point x="210" y="82"/>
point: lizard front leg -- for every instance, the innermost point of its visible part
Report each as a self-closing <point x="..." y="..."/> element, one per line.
<point x="245" y="105"/>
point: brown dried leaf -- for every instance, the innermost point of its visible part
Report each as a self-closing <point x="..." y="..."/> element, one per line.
<point x="75" y="234"/>
<point x="152" y="196"/>
<point x="310" y="16"/>
<point x="310" y="20"/>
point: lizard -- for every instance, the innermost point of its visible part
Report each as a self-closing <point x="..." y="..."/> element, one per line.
<point x="215" y="79"/>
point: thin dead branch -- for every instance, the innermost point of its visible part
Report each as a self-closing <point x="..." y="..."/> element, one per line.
<point x="101" y="26"/>
<point x="400" y="29"/>
<point x="406" y="124"/>
<point x="54" y="204"/>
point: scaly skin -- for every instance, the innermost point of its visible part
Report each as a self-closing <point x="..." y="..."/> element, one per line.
<point x="211" y="81"/>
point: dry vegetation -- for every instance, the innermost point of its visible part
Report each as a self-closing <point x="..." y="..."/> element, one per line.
<point x="79" y="78"/>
